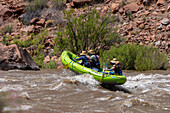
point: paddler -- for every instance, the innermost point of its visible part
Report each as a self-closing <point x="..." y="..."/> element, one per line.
<point x="116" y="67"/>
<point x="84" y="58"/>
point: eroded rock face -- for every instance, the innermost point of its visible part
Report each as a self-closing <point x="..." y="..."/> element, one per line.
<point x="5" y="12"/>
<point x="13" y="57"/>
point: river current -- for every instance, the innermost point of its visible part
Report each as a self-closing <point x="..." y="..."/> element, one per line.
<point x="63" y="91"/>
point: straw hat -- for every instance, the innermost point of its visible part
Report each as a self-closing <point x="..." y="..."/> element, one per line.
<point x="91" y="51"/>
<point x="117" y="62"/>
<point x="114" y="60"/>
<point x="83" y="53"/>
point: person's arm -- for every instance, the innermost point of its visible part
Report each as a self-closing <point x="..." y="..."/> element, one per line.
<point x="112" y="68"/>
<point x="78" y="59"/>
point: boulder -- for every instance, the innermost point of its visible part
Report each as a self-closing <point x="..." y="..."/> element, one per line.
<point x="168" y="8"/>
<point x="47" y="59"/>
<point x="54" y="58"/>
<point x="114" y="7"/>
<point x="13" y="57"/>
<point x="35" y="20"/>
<point x="19" y="11"/>
<point x="165" y="21"/>
<point x="41" y="22"/>
<point x="160" y="2"/>
<point x="132" y="7"/>
<point x="60" y="64"/>
<point x="121" y="11"/>
<point x="105" y="9"/>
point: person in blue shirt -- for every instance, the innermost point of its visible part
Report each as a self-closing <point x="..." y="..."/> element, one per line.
<point x="94" y="60"/>
<point x="116" y="67"/>
<point x="84" y="58"/>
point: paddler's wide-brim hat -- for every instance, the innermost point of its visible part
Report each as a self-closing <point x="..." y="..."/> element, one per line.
<point x="83" y="53"/>
<point x="114" y="60"/>
<point x="91" y="51"/>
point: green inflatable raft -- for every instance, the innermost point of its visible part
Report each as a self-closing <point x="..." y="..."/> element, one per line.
<point x="66" y="58"/>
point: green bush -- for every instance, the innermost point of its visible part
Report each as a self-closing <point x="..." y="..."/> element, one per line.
<point x="137" y="57"/>
<point x="6" y="40"/>
<point x="39" y="59"/>
<point x="52" y="64"/>
<point x="86" y="31"/>
<point x="150" y="59"/>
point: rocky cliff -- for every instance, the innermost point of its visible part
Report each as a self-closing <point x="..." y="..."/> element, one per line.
<point x="145" y="22"/>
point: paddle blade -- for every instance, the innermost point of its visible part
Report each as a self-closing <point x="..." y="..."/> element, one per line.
<point x="66" y="66"/>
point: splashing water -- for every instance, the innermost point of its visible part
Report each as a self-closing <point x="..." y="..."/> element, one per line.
<point x="147" y="83"/>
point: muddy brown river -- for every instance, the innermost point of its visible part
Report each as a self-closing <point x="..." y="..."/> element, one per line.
<point x="63" y="91"/>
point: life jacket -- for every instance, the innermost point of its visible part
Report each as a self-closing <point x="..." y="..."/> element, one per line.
<point x="118" y="69"/>
<point x="98" y="62"/>
<point x="95" y="61"/>
<point x="85" y="61"/>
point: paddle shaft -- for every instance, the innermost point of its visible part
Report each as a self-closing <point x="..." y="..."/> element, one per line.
<point x="103" y="73"/>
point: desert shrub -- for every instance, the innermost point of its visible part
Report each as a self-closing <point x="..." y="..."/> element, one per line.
<point x="7" y="29"/>
<point x="61" y="43"/>
<point x="39" y="59"/>
<point x="58" y="4"/>
<point x="149" y="58"/>
<point x="52" y="64"/>
<point x="86" y="31"/>
<point x="22" y="43"/>
<point x="6" y="40"/>
<point x="33" y="10"/>
<point x="29" y="15"/>
<point x="37" y="5"/>
<point x="137" y="57"/>
<point x="36" y="41"/>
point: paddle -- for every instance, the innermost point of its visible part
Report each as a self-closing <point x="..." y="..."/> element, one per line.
<point x="103" y="74"/>
<point x="66" y="66"/>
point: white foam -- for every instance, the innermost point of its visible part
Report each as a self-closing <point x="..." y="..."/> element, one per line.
<point x="19" y="108"/>
<point x="56" y="86"/>
<point x="11" y="87"/>
<point x="148" y="82"/>
<point x="2" y="80"/>
<point x="6" y="80"/>
<point x="86" y="79"/>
